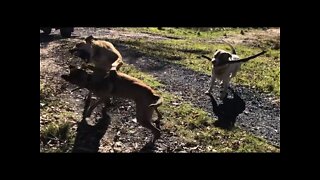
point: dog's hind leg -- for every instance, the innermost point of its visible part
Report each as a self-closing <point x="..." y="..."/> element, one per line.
<point x="89" y="112"/>
<point x="212" y="82"/>
<point x="144" y="116"/>
<point x="157" y="122"/>
<point x="104" y="109"/>
<point x="225" y="85"/>
<point x="86" y="104"/>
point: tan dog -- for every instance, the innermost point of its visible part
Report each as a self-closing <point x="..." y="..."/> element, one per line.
<point x="101" y="53"/>
<point x="118" y="84"/>
<point x="99" y="56"/>
<point x="225" y="66"/>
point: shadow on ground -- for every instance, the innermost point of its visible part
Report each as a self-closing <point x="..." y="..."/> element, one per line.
<point x="228" y="111"/>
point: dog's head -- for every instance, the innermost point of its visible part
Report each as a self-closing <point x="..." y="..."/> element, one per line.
<point x="83" y="49"/>
<point x="76" y="76"/>
<point x="220" y="57"/>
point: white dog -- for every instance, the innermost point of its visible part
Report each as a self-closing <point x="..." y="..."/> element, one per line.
<point x="225" y="66"/>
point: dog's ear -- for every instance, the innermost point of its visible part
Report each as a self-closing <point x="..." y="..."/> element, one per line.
<point x="89" y="39"/>
<point x="225" y="57"/>
<point x="217" y="53"/>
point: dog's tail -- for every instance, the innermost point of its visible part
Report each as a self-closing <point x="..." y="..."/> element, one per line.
<point x="204" y="56"/>
<point x="245" y="59"/>
<point x="233" y="51"/>
<point x="158" y="100"/>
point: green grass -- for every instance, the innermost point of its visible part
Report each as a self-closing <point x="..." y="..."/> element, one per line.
<point x="195" y="125"/>
<point x="56" y="121"/>
<point x="262" y="73"/>
<point x="148" y="79"/>
<point x="57" y="137"/>
<point x="188" y="33"/>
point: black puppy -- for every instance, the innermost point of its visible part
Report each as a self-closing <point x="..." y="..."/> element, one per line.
<point x="228" y="111"/>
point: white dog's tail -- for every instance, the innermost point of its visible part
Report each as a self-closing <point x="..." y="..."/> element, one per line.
<point x="245" y="59"/>
<point x="233" y="51"/>
<point x="204" y="56"/>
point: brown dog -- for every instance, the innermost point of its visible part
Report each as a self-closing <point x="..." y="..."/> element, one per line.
<point x="118" y="84"/>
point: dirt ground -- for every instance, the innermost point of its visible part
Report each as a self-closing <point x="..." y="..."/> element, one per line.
<point x="261" y="116"/>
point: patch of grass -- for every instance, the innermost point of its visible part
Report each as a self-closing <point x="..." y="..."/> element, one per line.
<point x="233" y="141"/>
<point x="262" y="73"/>
<point x="45" y="91"/>
<point x="56" y="137"/>
<point x="130" y="70"/>
<point x="57" y="119"/>
<point x="195" y="125"/>
<point x="188" y="33"/>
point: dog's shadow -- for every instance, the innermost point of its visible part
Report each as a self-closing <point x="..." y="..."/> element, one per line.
<point x="228" y="111"/>
<point x="46" y="38"/>
<point x="149" y="147"/>
<point x="88" y="136"/>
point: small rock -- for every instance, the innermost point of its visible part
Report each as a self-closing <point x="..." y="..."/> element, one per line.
<point x="175" y="104"/>
<point x="118" y="144"/>
<point x="131" y="131"/>
<point x="183" y="151"/>
<point x="117" y="149"/>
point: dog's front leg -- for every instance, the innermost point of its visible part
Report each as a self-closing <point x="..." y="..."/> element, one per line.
<point x="89" y="112"/>
<point x="225" y="85"/>
<point x="86" y="104"/>
<point x="157" y="122"/>
<point x="107" y="103"/>
<point x="212" y="82"/>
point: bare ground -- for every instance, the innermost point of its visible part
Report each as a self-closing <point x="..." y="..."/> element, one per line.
<point x="261" y="116"/>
